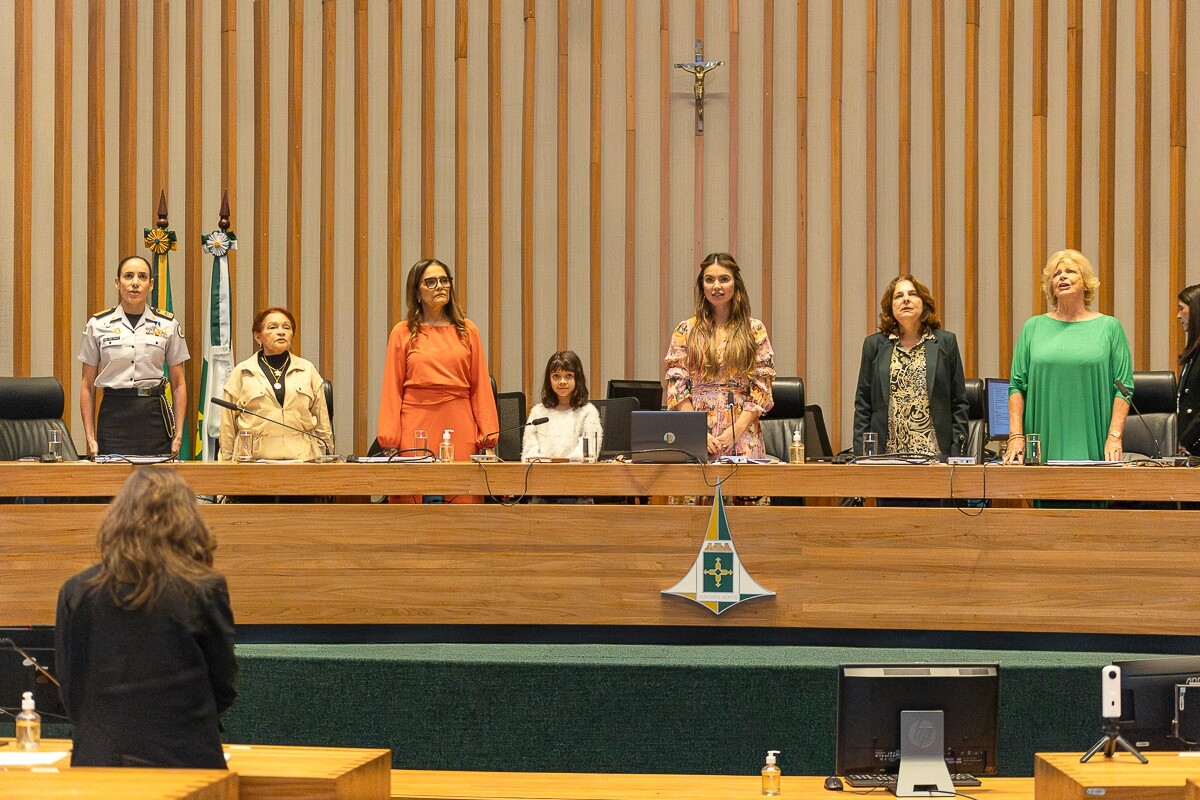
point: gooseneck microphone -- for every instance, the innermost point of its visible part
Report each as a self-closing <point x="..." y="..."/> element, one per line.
<point x="510" y="428"/>
<point x="29" y="661"/>
<point x="235" y="407"/>
<point x="1128" y="395"/>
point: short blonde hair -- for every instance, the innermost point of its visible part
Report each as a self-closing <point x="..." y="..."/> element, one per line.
<point x="1077" y="259"/>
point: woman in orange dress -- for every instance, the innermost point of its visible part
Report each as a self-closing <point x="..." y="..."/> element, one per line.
<point x="436" y="375"/>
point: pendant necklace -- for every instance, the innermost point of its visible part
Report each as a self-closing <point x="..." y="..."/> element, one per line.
<point x="277" y="374"/>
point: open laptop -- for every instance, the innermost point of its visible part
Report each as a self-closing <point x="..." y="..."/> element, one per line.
<point x="669" y="437"/>
<point x="997" y="407"/>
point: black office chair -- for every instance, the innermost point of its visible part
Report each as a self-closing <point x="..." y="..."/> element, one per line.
<point x="783" y="418"/>
<point x="510" y="410"/>
<point x="616" y="418"/>
<point x="29" y="409"/>
<point x="1152" y="432"/>
<point x="976" y="420"/>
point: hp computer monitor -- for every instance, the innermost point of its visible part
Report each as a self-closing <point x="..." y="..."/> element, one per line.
<point x="997" y="407"/>
<point x="1153" y="715"/>
<point x="872" y="696"/>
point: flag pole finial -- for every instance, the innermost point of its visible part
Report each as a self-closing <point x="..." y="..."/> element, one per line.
<point x="162" y="208"/>
<point x="223" y="214"/>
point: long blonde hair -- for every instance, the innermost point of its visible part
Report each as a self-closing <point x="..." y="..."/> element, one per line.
<point x="152" y="535"/>
<point x="703" y="358"/>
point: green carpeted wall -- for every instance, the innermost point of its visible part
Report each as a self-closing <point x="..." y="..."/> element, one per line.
<point x="613" y="708"/>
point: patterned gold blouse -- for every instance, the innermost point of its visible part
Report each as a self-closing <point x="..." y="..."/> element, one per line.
<point x="910" y="425"/>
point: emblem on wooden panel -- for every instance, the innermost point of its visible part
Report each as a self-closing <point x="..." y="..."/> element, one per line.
<point x="717" y="579"/>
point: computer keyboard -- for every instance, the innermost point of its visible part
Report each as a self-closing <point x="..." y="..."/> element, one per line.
<point x="861" y="781"/>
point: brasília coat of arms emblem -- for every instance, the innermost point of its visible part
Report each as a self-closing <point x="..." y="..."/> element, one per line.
<point x="717" y="579"/>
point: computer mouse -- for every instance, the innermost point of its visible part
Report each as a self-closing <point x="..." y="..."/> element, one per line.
<point x="833" y="783"/>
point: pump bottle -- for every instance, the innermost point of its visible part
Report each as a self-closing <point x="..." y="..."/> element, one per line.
<point x="796" y="451"/>
<point x="29" y="724"/>
<point x="446" y="448"/>
<point x="771" y="774"/>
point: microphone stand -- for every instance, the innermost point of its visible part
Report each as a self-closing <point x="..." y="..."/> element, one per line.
<point x="235" y="407"/>
<point x="30" y="661"/>
<point x="1128" y="395"/>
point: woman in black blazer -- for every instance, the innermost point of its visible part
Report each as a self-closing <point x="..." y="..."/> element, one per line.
<point x="911" y="390"/>
<point x="144" y="639"/>
<point x="1188" y="400"/>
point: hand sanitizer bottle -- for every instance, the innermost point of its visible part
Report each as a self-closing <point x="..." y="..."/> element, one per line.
<point x="29" y="724"/>
<point x="796" y="451"/>
<point x="771" y="774"/>
<point x="446" y="448"/>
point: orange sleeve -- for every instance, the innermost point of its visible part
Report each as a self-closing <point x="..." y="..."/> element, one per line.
<point x="391" y="399"/>
<point x="483" y="402"/>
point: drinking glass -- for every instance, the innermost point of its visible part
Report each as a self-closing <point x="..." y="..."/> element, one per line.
<point x="870" y="444"/>
<point x="1033" y="448"/>
<point x="54" y="445"/>
<point x="421" y="442"/>
<point x="247" y="446"/>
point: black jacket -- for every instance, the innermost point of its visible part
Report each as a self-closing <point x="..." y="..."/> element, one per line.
<point x="947" y="391"/>
<point x="1189" y="405"/>
<point x="145" y="687"/>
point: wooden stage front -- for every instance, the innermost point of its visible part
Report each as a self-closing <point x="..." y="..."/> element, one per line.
<point x="1015" y="569"/>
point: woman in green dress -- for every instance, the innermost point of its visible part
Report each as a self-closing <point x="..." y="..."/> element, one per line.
<point x="1065" y="369"/>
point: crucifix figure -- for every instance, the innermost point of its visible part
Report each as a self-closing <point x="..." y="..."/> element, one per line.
<point x="698" y="68"/>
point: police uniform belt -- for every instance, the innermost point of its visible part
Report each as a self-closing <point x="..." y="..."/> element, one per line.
<point x="157" y="390"/>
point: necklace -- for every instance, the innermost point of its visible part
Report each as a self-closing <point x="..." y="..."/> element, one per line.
<point x="277" y="374"/>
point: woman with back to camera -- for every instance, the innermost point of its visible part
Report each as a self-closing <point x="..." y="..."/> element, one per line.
<point x="436" y="374"/>
<point x="722" y="354"/>
<point x="280" y="385"/>
<point x="911" y="391"/>
<point x="1188" y="400"/>
<point x="1065" y="369"/>
<point x="144" y="639"/>
<point x="124" y="351"/>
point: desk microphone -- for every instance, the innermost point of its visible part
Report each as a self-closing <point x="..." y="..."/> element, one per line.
<point x="511" y="428"/>
<point x="29" y="661"/>
<point x="217" y="401"/>
<point x="1128" y="395"/>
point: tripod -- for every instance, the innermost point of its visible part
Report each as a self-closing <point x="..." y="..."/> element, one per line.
<point x="1110" y="740"/>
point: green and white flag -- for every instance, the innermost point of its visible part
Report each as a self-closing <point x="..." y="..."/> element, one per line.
<point x="218" y="343"/>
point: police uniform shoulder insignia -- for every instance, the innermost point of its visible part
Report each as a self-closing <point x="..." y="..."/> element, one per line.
<point x="163" y="314"/>
<point x="104" y="313"/>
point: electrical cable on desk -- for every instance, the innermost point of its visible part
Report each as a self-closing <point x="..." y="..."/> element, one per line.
<point x="983" y="500"/>
<point x="500" y="500"/>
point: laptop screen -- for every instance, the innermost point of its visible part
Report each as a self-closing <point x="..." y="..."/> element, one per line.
<point x="997" y="407"/>
<point x="669" y="437"/>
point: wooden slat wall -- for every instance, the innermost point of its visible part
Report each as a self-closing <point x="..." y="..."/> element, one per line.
<point x="1105" y="259"/>
<point x="1178" y="211"/>
<point x="22" y="156"/>
<point x="64" y="22"/>
<point x="618" y="264"/>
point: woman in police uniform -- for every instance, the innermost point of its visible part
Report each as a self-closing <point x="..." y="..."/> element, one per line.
<point x="124" y="350"/>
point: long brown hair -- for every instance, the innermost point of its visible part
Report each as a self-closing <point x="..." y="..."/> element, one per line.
<point x="929" y="318"/>
<point x="412" y="292"/>
<point x="565" y="361"/>
<point x="152" y="535"/>
<point x="1190" y="297"/>
<point x="702" y="341"/>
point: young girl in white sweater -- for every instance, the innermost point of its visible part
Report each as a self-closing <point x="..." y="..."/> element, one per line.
<point x="565" y="402"/>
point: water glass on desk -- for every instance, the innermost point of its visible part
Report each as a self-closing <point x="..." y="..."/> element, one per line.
<point x="54" y="446"/>
<point x="246" y="446"/>
<point x="870" y="444"/>
<point x="421" y="443"/>
<point x="1033" y="449"/>
<point x="589" y="445"/>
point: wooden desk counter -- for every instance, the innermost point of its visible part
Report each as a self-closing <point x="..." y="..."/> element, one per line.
<point x="93" y="783"/>
<point x="435" y="785"/>
<point x="272" y="772"/>
<point x="1060" y="776"/>
<point x="84" y="478"/>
